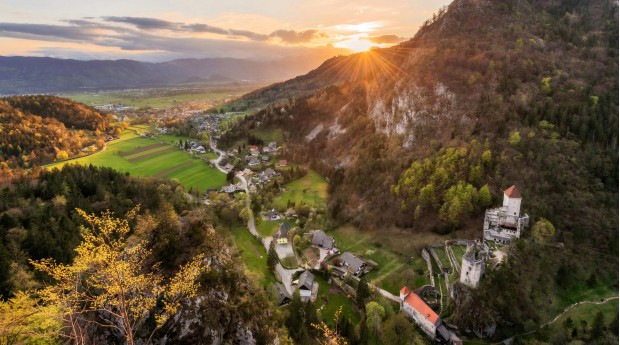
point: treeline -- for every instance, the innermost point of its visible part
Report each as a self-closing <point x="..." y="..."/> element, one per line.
<point x="37" y="130"/>
<point x="38" y="216"/>
<point x="72" y="114"/>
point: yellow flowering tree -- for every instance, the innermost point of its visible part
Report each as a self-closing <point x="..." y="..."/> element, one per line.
<point x="109" y="276"/>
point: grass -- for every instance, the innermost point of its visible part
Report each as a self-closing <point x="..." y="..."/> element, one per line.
<point x="443" y="257"/>
<point x="160" y="98"/>
<point x="191" y="172"/>
<point x="253" y="255"/>
<point x="459" y="251"/>
<point x="310" y="189"/>
<point x="394" y="270"/>
<point x="334" y="301"/>
<point x="268" y="135"/>
<point x="266" y="228"/>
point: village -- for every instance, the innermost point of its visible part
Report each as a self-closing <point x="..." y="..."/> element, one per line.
<point x="309" y="257"/>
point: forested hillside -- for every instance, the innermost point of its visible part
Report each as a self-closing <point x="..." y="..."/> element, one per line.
<point x="40" y="129"/>
<point x="423" y="136"/>
<point x="75" y="218"/>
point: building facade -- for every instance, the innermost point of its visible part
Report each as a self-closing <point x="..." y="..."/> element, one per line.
<point x="505" y="223"/>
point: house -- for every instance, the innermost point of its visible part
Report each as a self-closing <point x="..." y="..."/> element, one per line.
<point x="415" y="308"/>
<point x="253" y="147"/>
<point x="264" y="158"/>
<point x="228" y="167"/>
<point x="283" y="162"/>
<point x="273" y="215"/>
<point x="253" y="162"/>
<point x="474" y="263"/>
<point x="354" y="264"/>
<point x="283" y="296"/>
<point x="306" y="282"/>
<point x="505" y="223"/>
<point x="281" y="236"/>
<point x="320" y="239"/>
<point x="229" y="189"/>
<point x="273" y="146"/>
<point x="269" y="173"/>
<point x="247" y="172"/>
<point x="266" y="149"/>
<point x="255" y="153"/>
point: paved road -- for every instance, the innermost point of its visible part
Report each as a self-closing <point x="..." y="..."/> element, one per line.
<point x="220" y="156"/>
<point x="286" y="275"/>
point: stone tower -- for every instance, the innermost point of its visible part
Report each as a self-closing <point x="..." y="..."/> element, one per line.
<point x="512" y="201"/>
<point x="473" y="265"/>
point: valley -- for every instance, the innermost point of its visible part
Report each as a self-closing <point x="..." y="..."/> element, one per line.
<point x="456" y="187"/>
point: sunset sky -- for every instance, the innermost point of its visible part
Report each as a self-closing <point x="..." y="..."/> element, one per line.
<point x="160" y="30"/>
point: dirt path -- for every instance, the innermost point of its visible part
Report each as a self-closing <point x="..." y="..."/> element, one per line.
<point x="566" y="310"/>
<point x="173" y="169"/>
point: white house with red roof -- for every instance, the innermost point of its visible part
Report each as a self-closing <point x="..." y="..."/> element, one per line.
<point x="415" y="307"/>
<point x="505" y="223"/>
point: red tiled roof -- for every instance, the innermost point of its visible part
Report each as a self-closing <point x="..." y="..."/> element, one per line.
<point x="418" y="304"/>
<point x="512" y="192"/>
<point x="405" y="290"/>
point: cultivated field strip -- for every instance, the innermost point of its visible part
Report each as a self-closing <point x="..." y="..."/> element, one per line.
<point x="141" y="149"/>
<point x="151" y="154"/>
<point x="173" y="169"/>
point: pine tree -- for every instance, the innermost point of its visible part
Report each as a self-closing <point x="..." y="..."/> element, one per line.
<point x="272" y="256"/>
<point x="362" y="292"/>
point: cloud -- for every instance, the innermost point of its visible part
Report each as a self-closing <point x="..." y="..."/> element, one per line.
<point x="142" y="22"/>
<point x="60" y="31"/>
<point x="295" y="37"/>
<point x="386" y="39"/>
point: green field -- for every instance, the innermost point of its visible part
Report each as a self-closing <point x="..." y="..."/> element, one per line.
<point x="334" y="301"/>
<point x="165" y="161"/>
<point x="394" y="270"/>
<point x="268" y="135"/>
<point x="310" y="189"/>
<point x="266" y="228"/>
<point x="253" y="255"/>
<point x="161" y="98"/>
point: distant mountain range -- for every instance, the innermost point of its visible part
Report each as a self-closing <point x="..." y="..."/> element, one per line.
<point x="22" y="75"/>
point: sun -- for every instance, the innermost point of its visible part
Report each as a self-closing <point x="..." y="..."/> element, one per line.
<point x="356" y="44"/>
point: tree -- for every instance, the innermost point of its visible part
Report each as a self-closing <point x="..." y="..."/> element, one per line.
<point x="110" y="278"/>
<point x="23" y="321"/>
<point x="598" y="326"/>
<point x="484" y="196"/>
<point x="515" y="138"/>
<point x="374" y="316"/>
<point x="361" y="293"/>
<point x="62" y="155"/>
<point x="272" y="256"/>
<point x="245" y="215"/>
<point x="397" y="330"/>
<point x="330" y="336"/>
<point x="543" y="230"/>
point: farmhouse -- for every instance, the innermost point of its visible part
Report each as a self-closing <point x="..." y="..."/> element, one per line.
<point x="353" y="263"/>
<point x="320" y="239"/>
<point x="505" y="223"/>
<point x="229" y="189"/>
<point x="283" y="296"/>
<point x="415" y="307"/>
<point x="281" y="235"/>
<point x="283" y="162"/>
<point x="273" y="215"/>
<point x="306" y="282"/>
<point x="253" y="162"/>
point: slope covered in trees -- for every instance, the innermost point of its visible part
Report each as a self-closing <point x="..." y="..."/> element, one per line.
<point x="40" y="129"/>
<point x="87" y="224"/>
<point x="486" y="95"/>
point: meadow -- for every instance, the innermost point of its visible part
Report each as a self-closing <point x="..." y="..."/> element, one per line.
<point x="310" y="189"/>
<point x="161" y="98"/>
<point x="393" y="271"/>
<point x="142" y="156"/>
